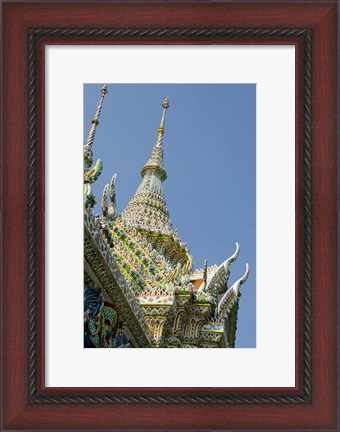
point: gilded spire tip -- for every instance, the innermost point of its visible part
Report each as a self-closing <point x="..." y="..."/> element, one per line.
<point x="165" y="104"/>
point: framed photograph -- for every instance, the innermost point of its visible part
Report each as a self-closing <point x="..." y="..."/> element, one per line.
<point x="169" y="180"/>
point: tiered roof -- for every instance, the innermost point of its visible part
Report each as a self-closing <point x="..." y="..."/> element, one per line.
<point x="182" y="307"/>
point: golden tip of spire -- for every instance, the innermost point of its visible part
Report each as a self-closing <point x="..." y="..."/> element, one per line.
<point x="165" y="104"/>
<point x="104" y="89"/>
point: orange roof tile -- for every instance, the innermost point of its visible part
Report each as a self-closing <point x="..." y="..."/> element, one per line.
<point x="197" y="283"/>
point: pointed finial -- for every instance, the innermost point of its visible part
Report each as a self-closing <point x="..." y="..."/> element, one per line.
<point x="104" y="89"/>
<point x="205" y="271"/>
<point x="88" y="153"/>
<point x="165" y="105"/>
<point x="156" y="158"/>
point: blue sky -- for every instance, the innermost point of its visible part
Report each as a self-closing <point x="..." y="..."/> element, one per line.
<point x="210" y="158"/>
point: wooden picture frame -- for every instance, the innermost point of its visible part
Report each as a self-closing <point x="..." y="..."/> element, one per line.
<point x="313" y="402"/>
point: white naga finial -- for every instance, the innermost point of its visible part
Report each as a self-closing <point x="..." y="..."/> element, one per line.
<point x="112" y="211"/>
<point x="236" y="286"/>
<point x="88" y="153"/>
<point x="218" y="279"/>
<point x="231" y="296"/>
<point x="104" y="200"/>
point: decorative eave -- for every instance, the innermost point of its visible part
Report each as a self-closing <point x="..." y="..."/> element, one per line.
<point x="155" y="300"/>
<point x="232" y="325"/>
<point x="98" y="255"/>
<point x="198" y="273"/>
<point x="212" y="335"/>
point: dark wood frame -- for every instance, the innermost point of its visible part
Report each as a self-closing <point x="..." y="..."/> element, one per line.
<point x="27" y="403"/>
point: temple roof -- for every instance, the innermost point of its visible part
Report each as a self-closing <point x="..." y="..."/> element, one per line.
<point x="144" y="254"/>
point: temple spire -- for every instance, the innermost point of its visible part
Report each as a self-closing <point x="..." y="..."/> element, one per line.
<point x="88" y="153"/>
<point x="156" y="159"/>
<point x="147" y="211"/>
